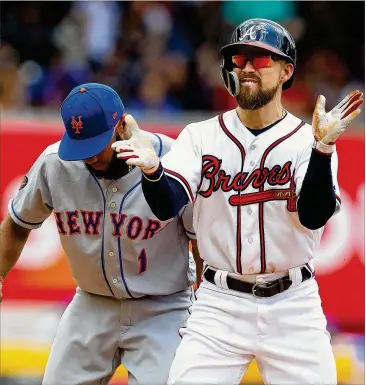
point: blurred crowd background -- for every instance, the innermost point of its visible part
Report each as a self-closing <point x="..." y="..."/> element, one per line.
<point x="162" y="56"/>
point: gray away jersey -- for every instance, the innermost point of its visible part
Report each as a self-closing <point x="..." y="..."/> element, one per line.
<point x="114" y="243"/>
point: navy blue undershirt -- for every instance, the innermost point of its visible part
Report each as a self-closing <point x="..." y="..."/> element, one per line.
<point x="315" y="205"/>
<point x="256" y="131"/>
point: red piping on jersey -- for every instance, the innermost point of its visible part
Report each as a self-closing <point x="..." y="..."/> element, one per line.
<point x="182" y="180"/>
<point x="263" y="196"/>
<point x="291" y="203"/>
<point x="238" y="215"/>
<point x="261" y="188"/>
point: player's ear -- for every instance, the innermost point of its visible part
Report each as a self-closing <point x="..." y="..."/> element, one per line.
<point x="287" y="69"/>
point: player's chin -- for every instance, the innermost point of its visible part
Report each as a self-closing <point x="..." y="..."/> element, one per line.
<point x="99" y="167"/>
<point x="249" y="92"/>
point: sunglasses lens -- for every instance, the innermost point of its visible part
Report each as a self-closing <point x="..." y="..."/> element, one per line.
<point x="239" y="60"/>
<point x="262" y="62"/>
<point x="257" y="62"/>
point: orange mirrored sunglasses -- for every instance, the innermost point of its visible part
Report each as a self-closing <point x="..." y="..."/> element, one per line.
<point x="257" y="62"/>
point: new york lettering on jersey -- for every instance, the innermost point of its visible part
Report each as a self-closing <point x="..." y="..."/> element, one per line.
<point x="88" y="222"/>
<point x="106" y="227"/>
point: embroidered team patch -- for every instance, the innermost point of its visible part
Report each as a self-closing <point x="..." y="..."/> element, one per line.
<point x="24" y="182"/>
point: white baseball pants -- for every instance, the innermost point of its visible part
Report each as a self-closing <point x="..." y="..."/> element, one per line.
<point x="286" y="334"/>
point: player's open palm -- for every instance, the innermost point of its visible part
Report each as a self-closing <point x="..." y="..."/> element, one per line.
<point x="328" y="126"/>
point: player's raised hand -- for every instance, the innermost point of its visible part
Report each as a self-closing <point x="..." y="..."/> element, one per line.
<point x="130" y="127"/>
<point x="328" y="126"/>
<point x="138" y="151"/>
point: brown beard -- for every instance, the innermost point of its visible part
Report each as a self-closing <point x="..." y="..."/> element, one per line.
<point x="248" y="100"/>
<point x="116" y="169"/>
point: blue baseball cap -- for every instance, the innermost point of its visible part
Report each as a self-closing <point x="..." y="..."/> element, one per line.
<point x="89" y="113"/>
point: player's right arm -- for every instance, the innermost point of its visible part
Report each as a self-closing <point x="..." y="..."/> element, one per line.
<point x="31" y="205"/>
<point x="168" y="185"/>
<point x="165" y="195"/>
<point x="12" y="241"/>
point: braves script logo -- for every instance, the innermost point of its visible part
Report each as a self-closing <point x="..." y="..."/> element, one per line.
<point x="218" y="179"/>
<point x="76" y="124"/>
<point x="114" y="115"/>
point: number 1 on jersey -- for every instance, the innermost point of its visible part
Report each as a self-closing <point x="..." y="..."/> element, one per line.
<point x="143" y="261"/>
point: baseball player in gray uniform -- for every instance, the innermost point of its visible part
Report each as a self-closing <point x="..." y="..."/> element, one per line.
<point x="134" y="273"/>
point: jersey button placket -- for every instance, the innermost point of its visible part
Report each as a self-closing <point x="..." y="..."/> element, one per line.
<point x="252" y="148"/>
<point x="111" y="255"/>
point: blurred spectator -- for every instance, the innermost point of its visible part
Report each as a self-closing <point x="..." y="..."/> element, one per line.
<point x="356" y="83"/>
<point x="9" y="77"/>
<point x="163" y="55"/>
<point x="59" y="79"/>
<point x="153" y="95"/>
<point x="300" y="98"/>
<point x="100" y="19"/>
<point x="68" y="38"/>
<point x="28" y="26"/>
<point x="327" y="74"/>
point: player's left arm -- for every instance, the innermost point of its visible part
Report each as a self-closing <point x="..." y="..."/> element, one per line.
<point x="318" y="194"/>
<point x="139" y="148"/>
<point x="317" y="188"/>
<point x="166" y="194"/>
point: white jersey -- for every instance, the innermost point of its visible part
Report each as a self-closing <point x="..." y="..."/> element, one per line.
<point x="245" y="188"/>
<point x="114" y="243"/>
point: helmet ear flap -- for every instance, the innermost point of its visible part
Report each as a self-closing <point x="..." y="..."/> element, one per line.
<point x="231" y="81"/>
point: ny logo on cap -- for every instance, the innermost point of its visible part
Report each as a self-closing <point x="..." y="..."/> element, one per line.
<point x="76" y="124"/>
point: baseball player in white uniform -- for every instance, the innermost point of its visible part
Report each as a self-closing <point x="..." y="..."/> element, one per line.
<point x="133" y="271"/>
<point x="263" y="184"/>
